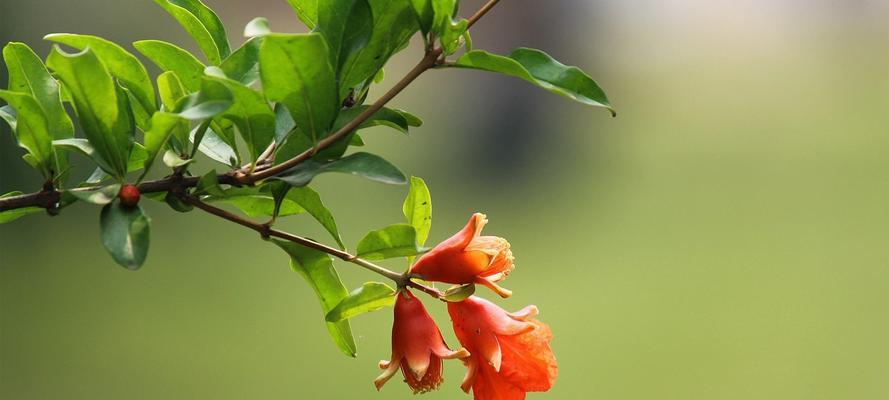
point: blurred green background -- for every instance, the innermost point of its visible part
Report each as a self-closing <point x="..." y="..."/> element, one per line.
<point x="723" y="238"/>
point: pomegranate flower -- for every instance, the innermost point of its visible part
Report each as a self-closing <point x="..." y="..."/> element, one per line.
<point x="468" y="257"/>
<point x="417" y="347"/>
<point x="510" y="353"/>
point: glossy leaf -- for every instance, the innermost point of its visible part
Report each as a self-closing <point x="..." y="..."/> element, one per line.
<point x="31" y="129"/>
<point x="294" y="73"/>
<point x="101" y="196"/>
<point x="310" y="201"/>
<point x="243" y="64"/>
<point x="456" y="294"/>
<point x="7" y="114"/>
<point x="417" y="209"/>
<point x="542" y="70"/>
<point x="170" y="89"/>
<point x="318" y="271"/>
<point x="394" y="22"/>
<point x="346" y="25"/>
<point x="12" y="215"/>
<point x="284" y="123"/>
<point x="169" y="57"/>
<point x="250" y="112"/>
<point x="255" y="202"/>
<point x="102" y="107"/>
<point x="214" y="99"/>
<point x="120" y="63"/>
<point x="371" y="296"/>
<point x="163" y="125"/>
<point x="27" y="74"/>
<point x="257" y="27"/>
<point x="306" y="11"/>
<point x="125" y="233"/>
<point x="174" y="160"/>
<point x="84" y="147"/>
<point x="218" y="149"/>
<point x="209" y="184"/>
<point x="398" y="240"/>
<point x="365" y="165"/>
<point x="444" y="26"/>
<point x="425" y="14"/>
<point x="202" y="24"/>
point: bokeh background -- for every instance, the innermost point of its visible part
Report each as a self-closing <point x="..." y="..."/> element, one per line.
<point x="724" y="238"/>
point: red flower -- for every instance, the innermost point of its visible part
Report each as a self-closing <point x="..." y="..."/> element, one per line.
<point x="510" y="351"/>
<point x="468" y="257"/>
<point x="417" y="347"/>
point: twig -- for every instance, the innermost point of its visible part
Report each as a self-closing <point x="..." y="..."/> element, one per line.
<point x="428" y="62"/>
<point x="481" y="12"/>
<point x="265" y="230"/>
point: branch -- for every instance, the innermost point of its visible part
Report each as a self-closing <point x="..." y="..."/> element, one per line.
<point x="481" y="12"/>
<point x="428" y="62"/>
<point x="402" y="280"/>
<point x="49" y="199"/>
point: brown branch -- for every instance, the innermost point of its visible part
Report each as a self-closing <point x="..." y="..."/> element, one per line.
<point x="49" y="199"/>
<point x="428" y="62"/>
<point x="481" y="12"/>
<point x="402" y="280"/>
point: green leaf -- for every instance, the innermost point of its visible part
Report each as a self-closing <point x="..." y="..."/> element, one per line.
<point x="120" y="63"/>
<point x="371" y="296"/>
<point x="365" y="165"/>
<point x="346" y="26"/>
<point x="243" y="64"/>
<point x="456" y="294"/>
<point x="257" y="27"/>
<point x="385" y="117"/>
<point x="444" y="26"/>
<point x="209" y="184"/>
<point x="250" y="112"/>
<point x="12" y="215"/>
<point x="394" y="22"/>
<point x="425" y="14"/>
<point x="169" y="57"/>
<point x="306" y="11"/>
<point x="174" y="160"/>
<point x="255" y="202"/>
<point x="417" y="209"/>
<point x="213" y="100"/>
<point x="202" y="24"/>
<point x="101" y="196"/>
<point x="84" y="147"/>
<point x="318" y="271"/>
<point x="294" y="73"/>
<point x="310" y="201"/>
<point x="7" y="113"/>
<point x="170" y="89"/>
<point x="102" y="107"/>
<point x="125" y="233"/>
<point x="542" y="70"/>
<point x="284" y="123"/>
<point x="163" y="125"/>
<point x="27" y="74"/>
<point x="217" y="148"/>
<point x="398" y="240"/>
<point x="137" y="158"/>
<point x="31" y="129"/>
<point x="176" y="203"/>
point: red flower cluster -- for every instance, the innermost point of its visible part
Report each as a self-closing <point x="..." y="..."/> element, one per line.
<point x="506" y="354"/>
